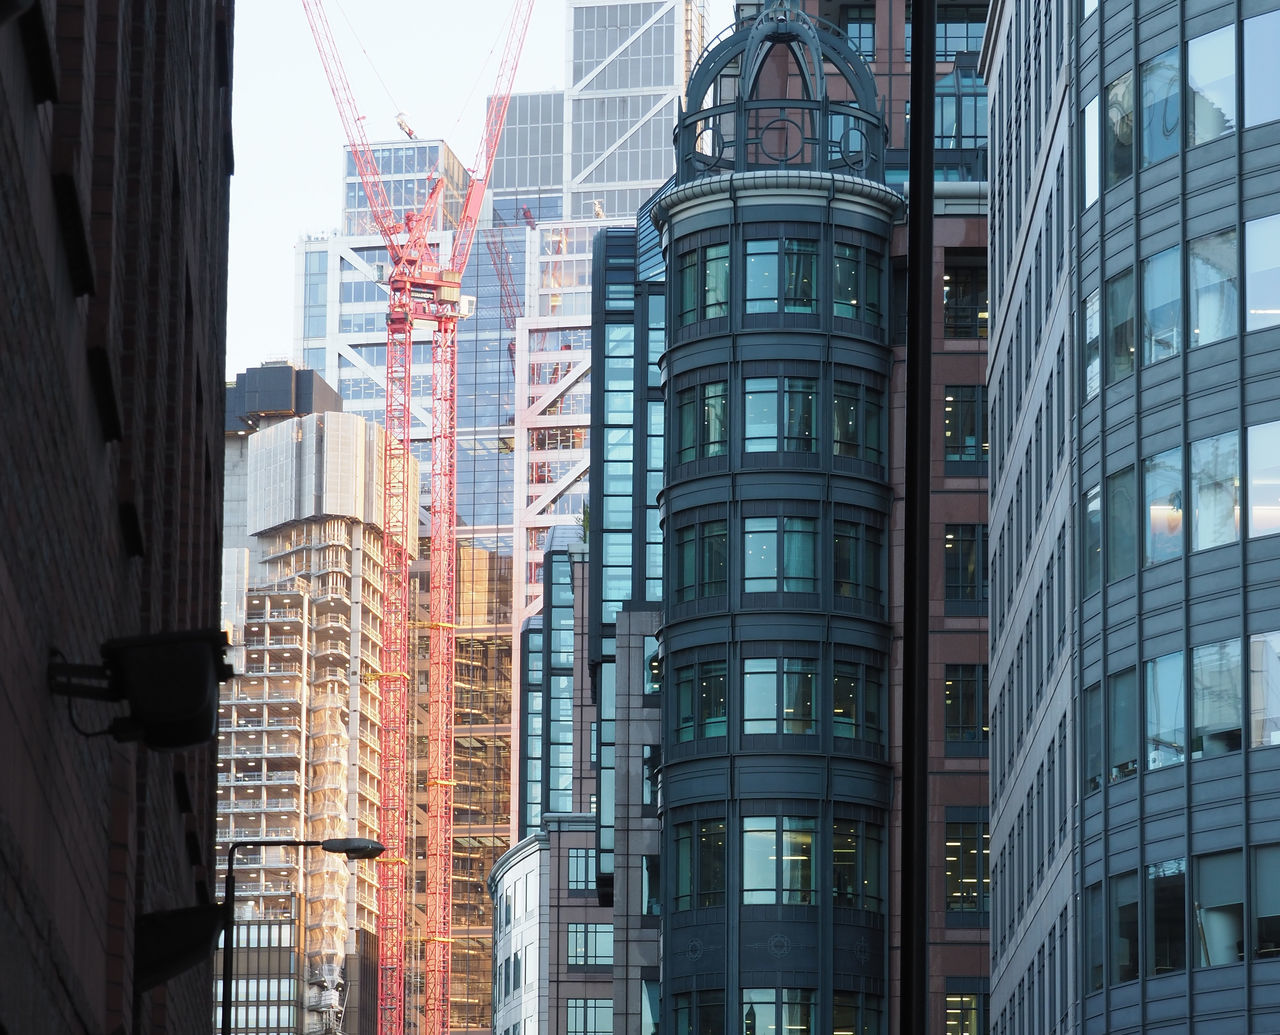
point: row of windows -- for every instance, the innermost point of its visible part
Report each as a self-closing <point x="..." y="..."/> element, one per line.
<point x="1033" y="663"/>
<point x="1212" y="295"/>
<point x="1042" y="456"/>
<point x="780" y="414"/>
<point x="780" y="695"/>
<point x="1031" y="842"/>
<point x="779" y="275"/>
<point x="1213" y="96"/>
<point x="779" y="864"/>
<point x="1136" y="923"/>
<point x="780" y="554"/>
<point x="768" y="1010"/>
<point x="1211" y="492"/>
<point x="1153" y="726"/>
<point x="1042" y="999"/>
<point x="965" y="569"/>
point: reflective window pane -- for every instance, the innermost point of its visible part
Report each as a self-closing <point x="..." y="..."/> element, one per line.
<point x="1261" y="45"/>
<point x="1211" y="85"/>
<point x="1162" y="305"/>
<point x="1215" y="491"/>
<point x="1089" y="149"/>
<point x="1118" y="328"/>
<point x="1121" y="541"/>
<point x="1161" y="107"/>
<point x="1216" y="699"/>
<point x="1123" y="924"/>
<point x="1213" y="287"/>
<point x="1165" y="946"/>
<point x="1162" y="488"/>
<point x="1092" y="345"/>
<point x="1264" y="479"/>
<point x="1219" y="891"/>
<point x="1166" y="711"/>
<point x="1118" y="131"/>
<point x="1262" y="272"/>
<point x="1264" y="689"/>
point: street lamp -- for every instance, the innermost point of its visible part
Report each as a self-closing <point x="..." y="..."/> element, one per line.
<point x="351" y="847"/>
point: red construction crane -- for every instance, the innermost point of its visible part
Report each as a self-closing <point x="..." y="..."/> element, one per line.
<point x="424" y="285"/>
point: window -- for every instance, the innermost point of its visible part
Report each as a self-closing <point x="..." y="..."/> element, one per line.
<point x="582" y="869"/>
<point x="798" y="412"/>
<point x="799" y="264"/>
<point x="1166" y="931"/>
<point x="1091" y="541"/>
<point x="700" y="561"/>
<point x="965" y="693"/>
<point x="964" y="423"/>
<point x="589" y="1017"/>
<point x="1122" y="725"/>
<point x="1162" y="486"/>
<point x="797" y="274"/>
<point x="704" y="284"/>
<point x="1161" y="107"/>
<point x="1262" y="272"/>
<point x="701" y="426"/>
<point x="1089" y="149"/>
<point x="1095" y="932"/>
<point x="845" y="291"/>
<point x="857" y="415"/>
<point x="860" y="28"/>
<point x="1264" y="689"/>
<point x="959" y="30"/>
<point x="699" y="1013"/>
<point x="856" y="865"/>
<point x="1117" y="138"/>
<point x="1217" y="720"/>
<point x="796" y="1014"/>
<point x="1215" y="491"/>
<point x="1211" y="85"/>
<point x="960" y="107"/>
<point x="700" y="700"/>
<point x="1261" y="44"/>
<point x="778" y="697"/>
<point x="1092" y="345"/>
<point x="1219" y="892"/>
<point x="965" y="550"/>
<point x="700" y="864"/>
<point x="1264" y="479"/>
<point x="857" y="701"/>
<point x="859" y="1012"/>
<point x="1124" y="927"/>
<point x="1166" y="711"/>
<point x="650" y="764"/>
<point x="1266" y="902"/>
<point x="965" y="305"/>
<point x="1118" y="328"/>
<point x="761" y="550"/>
<point x="770" y="876"/>
<point x="1213" y="273"/>
<point x="715" y="281"/>
<point x="1121" y="540"/>
<point x="589" y="945"/>
<point x="1162" y="305"/>
<point x="968" y="877"/>
<point x="856" y="563"/>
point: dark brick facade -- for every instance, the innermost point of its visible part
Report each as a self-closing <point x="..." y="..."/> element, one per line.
<point x="115" y="157"/>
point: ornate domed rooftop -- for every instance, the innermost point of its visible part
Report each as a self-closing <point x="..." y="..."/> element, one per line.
<point x="781" y="92"/>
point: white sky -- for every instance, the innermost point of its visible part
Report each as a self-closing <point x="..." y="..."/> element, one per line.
<point x="289" y="140"/>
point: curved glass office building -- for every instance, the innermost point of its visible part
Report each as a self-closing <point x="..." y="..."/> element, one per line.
<point x="1136" y="239"/>
<point x="776" y="779"/>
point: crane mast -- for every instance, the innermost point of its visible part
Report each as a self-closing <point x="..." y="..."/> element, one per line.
<point x="423" y="286"/>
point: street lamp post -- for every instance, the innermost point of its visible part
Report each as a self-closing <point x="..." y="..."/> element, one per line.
<point x="351" y="847"/>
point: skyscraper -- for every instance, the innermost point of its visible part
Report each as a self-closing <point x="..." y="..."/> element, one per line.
<point x="1134" y="424"/>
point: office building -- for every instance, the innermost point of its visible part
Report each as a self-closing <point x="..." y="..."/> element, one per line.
<point x="115" y="159"/>
<point x="1134" y="422"/>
